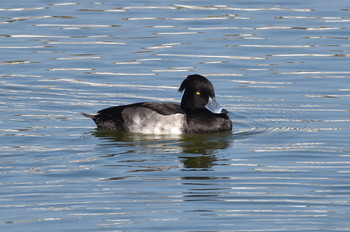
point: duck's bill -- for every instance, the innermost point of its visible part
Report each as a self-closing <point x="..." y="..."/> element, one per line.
<point x="214" y="107"/>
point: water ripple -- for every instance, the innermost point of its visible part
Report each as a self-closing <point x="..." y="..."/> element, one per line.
<point x="213" y="56"/>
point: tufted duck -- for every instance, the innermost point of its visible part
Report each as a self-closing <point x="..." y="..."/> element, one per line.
<point x="198" y="112"/>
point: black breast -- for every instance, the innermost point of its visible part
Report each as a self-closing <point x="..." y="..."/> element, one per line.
<point x="207" y="122"/>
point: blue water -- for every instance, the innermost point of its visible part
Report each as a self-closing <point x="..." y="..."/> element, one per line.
<point x="281" y="69"/>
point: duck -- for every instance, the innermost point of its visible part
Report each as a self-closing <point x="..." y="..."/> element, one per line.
<point x="198" y="113"/>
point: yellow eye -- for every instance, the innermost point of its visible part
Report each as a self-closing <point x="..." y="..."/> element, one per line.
<point x="198" y="93"/>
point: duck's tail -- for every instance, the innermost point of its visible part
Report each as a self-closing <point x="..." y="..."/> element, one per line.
<point x="88" y="115"/>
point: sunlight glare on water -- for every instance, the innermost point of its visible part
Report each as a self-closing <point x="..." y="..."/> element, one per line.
<point x="280" y="68"/>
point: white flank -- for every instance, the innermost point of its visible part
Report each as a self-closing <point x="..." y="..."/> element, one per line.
<point x="147" y="121"/>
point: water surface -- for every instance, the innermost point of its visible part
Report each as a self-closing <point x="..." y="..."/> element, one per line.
<point x="280" y="68"/>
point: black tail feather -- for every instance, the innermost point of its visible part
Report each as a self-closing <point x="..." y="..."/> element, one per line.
<point x="88" y="115"/>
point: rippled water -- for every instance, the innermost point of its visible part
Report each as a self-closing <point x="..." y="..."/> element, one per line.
<point x="281" y="69"/>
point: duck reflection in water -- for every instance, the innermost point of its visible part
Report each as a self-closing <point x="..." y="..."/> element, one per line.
<point x="197" y="151"/>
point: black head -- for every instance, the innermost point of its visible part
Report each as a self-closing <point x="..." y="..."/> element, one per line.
<point x="198" y="90"/>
